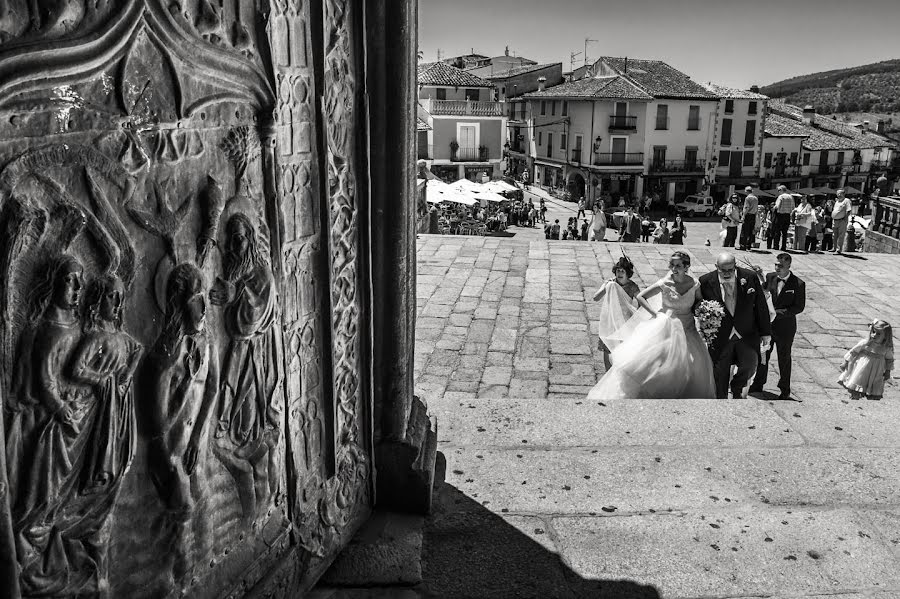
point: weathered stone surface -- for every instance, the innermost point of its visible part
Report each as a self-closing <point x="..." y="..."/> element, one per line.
<point x="387" y="550"/>
<point x="732" y="553"/>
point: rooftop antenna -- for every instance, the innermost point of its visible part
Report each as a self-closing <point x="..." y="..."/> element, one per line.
<point x="572" y="58"/>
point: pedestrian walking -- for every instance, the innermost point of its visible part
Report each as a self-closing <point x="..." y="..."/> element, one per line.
<point x="598" y="223"/>
<point x="840" y="216"/>
<point x="581" y="207"/>
<point x="584" y="230"/>
<point x="678" y="231"/>
<point x="661" y="233"/>
<point x="748" y="217"/>
<point x="543" y="211"/>
<point x="784" y="206"/>
<point x="554" y="230"/>
<point x="804" y="216"/>
<point x="731" y="218"/>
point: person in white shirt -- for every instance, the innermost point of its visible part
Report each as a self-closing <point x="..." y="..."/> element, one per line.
<point x="804" y="217"/>
<point x="840" y="216"/>
<point x="784" y="205"/>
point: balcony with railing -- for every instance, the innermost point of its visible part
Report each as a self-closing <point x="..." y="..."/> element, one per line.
<point x="463" y="108"/>
<point x="829" y="169"/>
<point x="622" y="123"/>
<point x="676" y="166"/>
<point x="575" y="156"/>
<point x="480" y="154"/>
<point x="777" y="172"/>
<point x="618" y="159"/>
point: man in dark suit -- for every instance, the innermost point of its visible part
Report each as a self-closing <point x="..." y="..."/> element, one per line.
<point x="789" y="298"/>
<point x="744" y="327"/>
<point x="630" y="229"/>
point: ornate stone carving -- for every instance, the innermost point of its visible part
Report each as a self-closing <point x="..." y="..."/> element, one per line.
<point x="180" y="378"/>
<point x="248" y="429"/>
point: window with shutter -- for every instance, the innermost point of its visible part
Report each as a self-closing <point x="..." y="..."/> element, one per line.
<point x="440" y="93"/>
<point x="726" y="132"/>
<point x="562" y="141"/>
<point x="794" y="157"/>
<point x="752" y="108"/>
<point x="724" y="158"/>
<point x="806" y="159"/>
<point x="729" y="106"/>
<point x="662" y="117"/>
<point x="767" y="160"/>
<point x="748" y="158"/>
<point x="553" y="108"/>
<point x="693" y="118"/>
<point x="750" y="134"/>
<point x="543" y="107"/>
<point x="565" y="108"/>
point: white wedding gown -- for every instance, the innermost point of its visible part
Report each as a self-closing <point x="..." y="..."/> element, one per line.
<point x="659" y="357"/>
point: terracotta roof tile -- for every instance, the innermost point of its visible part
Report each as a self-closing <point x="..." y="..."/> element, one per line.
<point x="438" y="73"/>
<point x="824" y="133"/>
<point x="658" y="78"/>
<point x="518" y="70"/>
<point x="602" y="87"/>
<point x="733" y="93"/>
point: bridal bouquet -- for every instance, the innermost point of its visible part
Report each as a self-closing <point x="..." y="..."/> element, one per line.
<point x="709" y="315"/>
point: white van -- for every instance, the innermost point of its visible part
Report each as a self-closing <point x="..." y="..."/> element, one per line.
<point x="694" y="205"/>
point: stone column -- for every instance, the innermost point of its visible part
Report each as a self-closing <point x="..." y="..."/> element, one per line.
<point x="405" y="442"/>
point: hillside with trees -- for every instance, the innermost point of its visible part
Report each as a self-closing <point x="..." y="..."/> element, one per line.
<point x="868" y="88"/>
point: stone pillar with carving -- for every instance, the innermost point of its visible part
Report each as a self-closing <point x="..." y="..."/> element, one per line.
<point x="405" y="436"/>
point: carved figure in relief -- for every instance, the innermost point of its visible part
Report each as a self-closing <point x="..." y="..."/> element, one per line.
<point x="105" y="361"/>
<point x="180" y="378"/>
<point x="54" y="428"/>
<point x="248" y="420"/>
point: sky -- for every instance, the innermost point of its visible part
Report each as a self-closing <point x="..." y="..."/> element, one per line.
<point x="737" y="43"/>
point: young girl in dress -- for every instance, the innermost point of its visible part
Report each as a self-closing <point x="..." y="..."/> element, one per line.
<point x="618" y="296"/>
<point x="868" y="364"/>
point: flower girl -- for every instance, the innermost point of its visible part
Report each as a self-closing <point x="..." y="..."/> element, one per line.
<point x="868" y="364"/>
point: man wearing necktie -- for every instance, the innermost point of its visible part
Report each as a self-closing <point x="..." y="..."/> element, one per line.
<point x="744" y="326"/>
<point x="789" y="298"/>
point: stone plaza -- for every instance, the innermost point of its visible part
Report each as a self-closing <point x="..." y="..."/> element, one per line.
<point x="646" y="498"/>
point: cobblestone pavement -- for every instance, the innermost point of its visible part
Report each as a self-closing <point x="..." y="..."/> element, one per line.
<point x="681" y="499"/>
<point x="504" y="317"/>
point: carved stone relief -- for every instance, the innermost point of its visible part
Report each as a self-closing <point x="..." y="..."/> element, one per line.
<point x="170" y="301"/>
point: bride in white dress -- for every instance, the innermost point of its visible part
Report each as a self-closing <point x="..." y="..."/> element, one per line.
<point x="660" y="354"/>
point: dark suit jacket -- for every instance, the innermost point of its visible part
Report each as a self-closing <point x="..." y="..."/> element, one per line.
<point x="631" y="226"/>
<point x="788" y="304"/>
<point x="751" y="314"/>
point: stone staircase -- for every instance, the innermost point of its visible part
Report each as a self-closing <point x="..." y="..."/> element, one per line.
<point x="548" y="494"/>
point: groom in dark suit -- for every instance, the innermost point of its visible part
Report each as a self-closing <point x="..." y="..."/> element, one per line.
<point x="789" y="298"/>
<point x="630" y="229"/>
<point x="744" y="327"/>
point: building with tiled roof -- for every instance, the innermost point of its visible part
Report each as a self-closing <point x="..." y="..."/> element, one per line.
<point x="442" y="74"/>
<point x="464" y="132"/>
<point x="655" y="77"/>
<point x="831" y="152"/>
<point x="738" y="139"/>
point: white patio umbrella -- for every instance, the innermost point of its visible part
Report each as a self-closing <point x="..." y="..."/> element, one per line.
<point x="451" y="195"/>
<point x="489" y="196"/>
<point x="465" y="184"/>
<point x="499" y="186"/>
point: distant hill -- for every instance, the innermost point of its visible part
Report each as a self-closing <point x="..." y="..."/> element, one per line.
<point x="868" y="88"/>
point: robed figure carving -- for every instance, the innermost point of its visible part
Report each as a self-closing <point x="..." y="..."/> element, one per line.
<point x="71" y="436"/>
<point x="180" y="377"/>
<point x="248" y="421"/>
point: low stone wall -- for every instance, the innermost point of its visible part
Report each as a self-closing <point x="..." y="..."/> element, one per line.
<point x="881" y="244"/>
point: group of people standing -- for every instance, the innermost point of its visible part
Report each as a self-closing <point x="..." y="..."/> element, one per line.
<point x="817" y="228"/>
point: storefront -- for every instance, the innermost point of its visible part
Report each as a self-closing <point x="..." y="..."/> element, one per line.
<point x="676" y="188"/>
<point x="448" y="173"/>
<point x="548" y="175"/>
<point x="619" y="185"/>
<point x="478" y="173"/>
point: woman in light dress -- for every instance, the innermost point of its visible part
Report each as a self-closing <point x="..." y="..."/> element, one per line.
<point x="663" y="356"/>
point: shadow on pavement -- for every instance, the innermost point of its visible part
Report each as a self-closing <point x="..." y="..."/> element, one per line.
<point x="471" y="552"/>
<point x="769" y="396"/>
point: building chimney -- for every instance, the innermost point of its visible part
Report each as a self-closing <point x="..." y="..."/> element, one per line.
<point x="541" y="82"/>
<point x="507" y="51"/>
<point x="754" y="89"/>
<point x="865" y="126"/>
<point x="880" y="128"/>
<point x="809" y="114"/>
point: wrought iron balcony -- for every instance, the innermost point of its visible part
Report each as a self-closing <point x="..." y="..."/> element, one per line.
<point x="470" y="155"/>
<point x="464" y="108"/>
<point x="575" y="156"/>
<point x="622" y="123"/>
<point x="618" y="158"/>
<point x="830" y="169"/>
<point x="676" y="166"/>
<point x="783" y="171"/>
